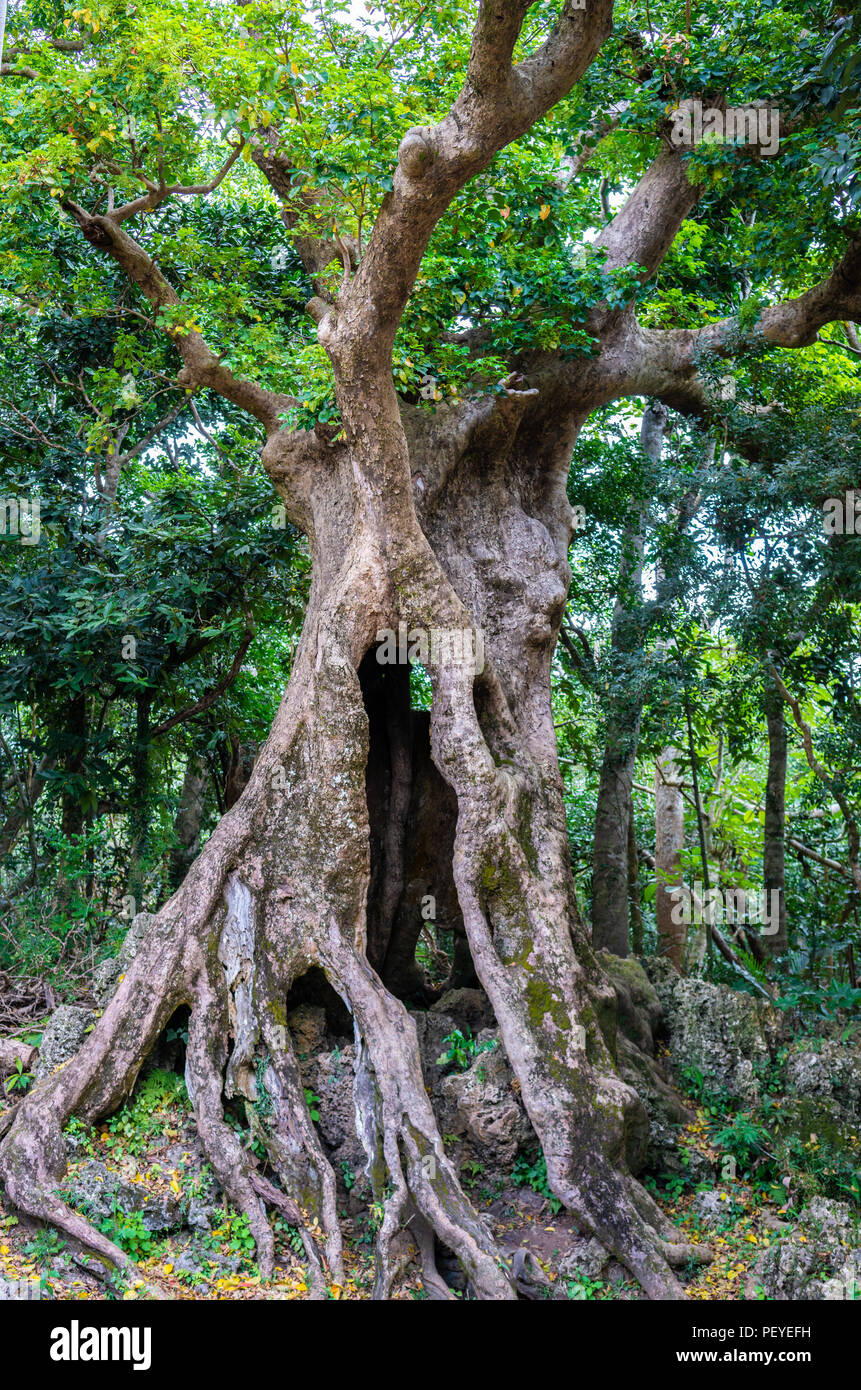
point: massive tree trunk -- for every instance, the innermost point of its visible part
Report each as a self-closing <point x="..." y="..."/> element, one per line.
<point x="774" y="844"/>
<point x="610" y="876"/>
<point x="282" y="885"/>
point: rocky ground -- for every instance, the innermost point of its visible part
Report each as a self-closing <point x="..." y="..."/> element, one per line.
<point x="752" y="1149"/>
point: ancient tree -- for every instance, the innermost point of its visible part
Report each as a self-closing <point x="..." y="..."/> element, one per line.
<point x="446" y="520"/>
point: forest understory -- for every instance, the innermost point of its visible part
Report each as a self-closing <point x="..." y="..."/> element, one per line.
<point x="753" y="1155"/>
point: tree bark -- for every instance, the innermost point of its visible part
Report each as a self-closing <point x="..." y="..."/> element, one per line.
<point x="73" y="815"/>
<point x="669" y="845"/>
<point x="634" y="904"/>
<point x="774" y="843"/>
<point x="239" y="766"/>
<point x="413" y="817"/>
<point x="12" y="1051"/>
<point x="610" y="893"/>
<point x="140" y="809"/>
<point x="189" y="817"/>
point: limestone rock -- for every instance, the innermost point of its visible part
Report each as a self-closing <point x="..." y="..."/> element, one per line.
<point x="330" y="1076"/>
<point x="585" y="1258"/>
<point x="713" y="1207"/>
<point x="486" y="1108"/>
<point x="107" y="974"/>
<point x="819" y="1259"/>
<point x="468" y="1008"/>
<point x="826" y="1070"/>
<point x="308" y="1028"/>
<point x="100" y="1192"/>
<point x="718" y="1032"/>
<point x="64" y="1034"/>
<point x="658" y="1148"/>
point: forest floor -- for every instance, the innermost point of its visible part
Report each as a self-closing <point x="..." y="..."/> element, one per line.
<point x="154" y="1145"/>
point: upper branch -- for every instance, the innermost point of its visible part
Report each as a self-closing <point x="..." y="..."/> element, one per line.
<point x="643" y="231"/>
<point x="796" y="322"/>
<point x="497" y="29"/>
<point x="497" y="104"/>
<point x="60" y="45"/>
<point x="202" y="367"/>
<point x="160" y="192"/>
<point x="664" y="362"/>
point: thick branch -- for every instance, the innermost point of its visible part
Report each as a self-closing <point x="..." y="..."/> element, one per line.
<point x="643" y="231"/>
<point x="202" y="367"/>
<point x="498" y="103"/>
<point x="667" y="358"/>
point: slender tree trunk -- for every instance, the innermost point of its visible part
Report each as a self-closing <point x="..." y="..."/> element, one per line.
<point x="238" y="770"/>
<point x="669" y="845"/>
<point x="610" y="894"/>
<point x="610" y="869"/>
<point x="188" y="820"/>
<point x="774" y="844"/>
<point x="634" y="904"/>
<point x="141" y="808"/>
<point x="73" y="815"/>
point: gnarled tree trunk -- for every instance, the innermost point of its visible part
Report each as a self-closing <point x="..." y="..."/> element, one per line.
<point x="282" y="885"/>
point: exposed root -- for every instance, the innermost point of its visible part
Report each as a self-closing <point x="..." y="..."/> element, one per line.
<point x="400" y="1134"/>
<point x="676" y="1253"/>
<point x="409" y="1168"/>
<point x="553" y="1004"/>
<point x="273" y="1198"/>
<point x="295" y="1150"/>
<point x="221" y="1146"/>
<point x="281" y="886"/>
<point x="432" y="1281"/>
